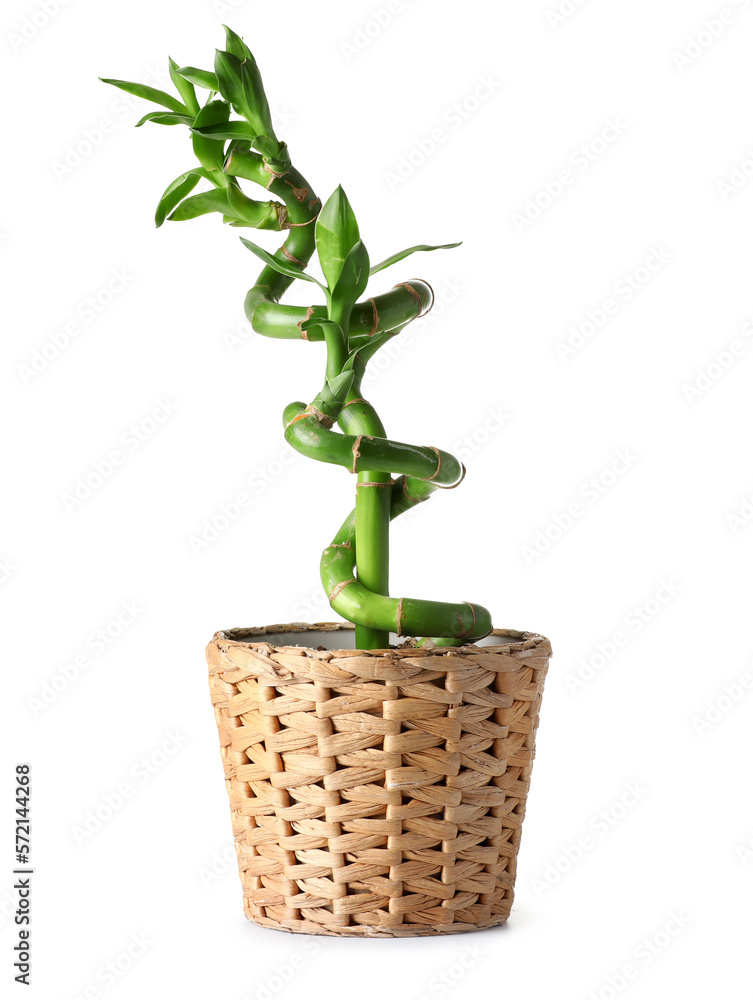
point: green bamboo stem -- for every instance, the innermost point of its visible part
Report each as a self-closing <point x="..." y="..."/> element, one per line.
<point x="311" y="436"/>
<point x="448" y="624"/>
<point x="388" y="311"/>
<point x="372" y="521"/>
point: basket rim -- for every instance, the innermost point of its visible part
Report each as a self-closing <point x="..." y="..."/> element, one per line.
<point x="253" y="637"/>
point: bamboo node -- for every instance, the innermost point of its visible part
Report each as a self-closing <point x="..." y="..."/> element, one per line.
<point x="412" y="292"/>
<point x="337" y="590"/>
<point x="375" y="324"/>
<point x="356" y="452"/>
<point x="438" y="453"/>
<point x="300" y="194"/>
<point x="454" y="485"/>
<point x="323" y="419"/>
<point x="469" y="631"/>
<point x="309" y="314"/>
<point x="290" y="257"/>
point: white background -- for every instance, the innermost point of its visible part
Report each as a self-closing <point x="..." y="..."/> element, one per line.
<point x="653" y="554"/>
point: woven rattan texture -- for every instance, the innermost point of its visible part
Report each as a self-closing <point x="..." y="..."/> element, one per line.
<point x="379" y="793"/>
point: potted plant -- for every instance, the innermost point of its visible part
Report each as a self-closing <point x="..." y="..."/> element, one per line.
<point x="378" y="767"/>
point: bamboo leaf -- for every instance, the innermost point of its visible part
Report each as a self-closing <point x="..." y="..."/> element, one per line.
<point x="288" y="269"/>
<point x="184" y="88"/>
<point x="201" y="204"/>
<point x="165" y="118"/>
<point x="148" y="94"/>
<point x="340" y="386"/>
<point x="176" y="192"/>
<point x="240" y="83"/>
<point x="226" y="130"/>
<point x="336" y="235"/>
<point x="354" y="277"/>
<point x="406" y="253"/>
<point x="200" y="77"/>
<point x="209" y="150"/>
<point x="236" y="45"/>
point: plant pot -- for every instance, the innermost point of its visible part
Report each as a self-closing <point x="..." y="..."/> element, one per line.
<point x="375" y="793"/>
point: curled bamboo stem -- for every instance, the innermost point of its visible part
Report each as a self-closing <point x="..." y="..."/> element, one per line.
<point x="355" y="566"/>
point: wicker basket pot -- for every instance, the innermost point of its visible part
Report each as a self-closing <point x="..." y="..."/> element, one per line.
<point x="375" y="793"/>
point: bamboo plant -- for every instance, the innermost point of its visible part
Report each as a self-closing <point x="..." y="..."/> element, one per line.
<point x="229" y="150"/>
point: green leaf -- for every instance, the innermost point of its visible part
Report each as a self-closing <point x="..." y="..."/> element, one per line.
<point x="165" y="118"/>
<point x="283" y="266"/>
<point x="336" y="235"/>
<point x="210" y="151"/>
<point x="226" y="130"/>
<point x="354" y="277"/>
<point x="176" y="192"/>
<point x="236" y="45"/>
<point x="333" y="334"/>
<point x="240" y="83"/>
<point x="201" y="204"/>
<point x="200" y="77"/>
<point x="184" y="88"/>
<point x="148" y="94"/>
<point x="340" y="386"/>
<point x="406" y="253"/>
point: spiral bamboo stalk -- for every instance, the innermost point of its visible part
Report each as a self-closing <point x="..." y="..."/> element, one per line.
<point x="355" y="566"/>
